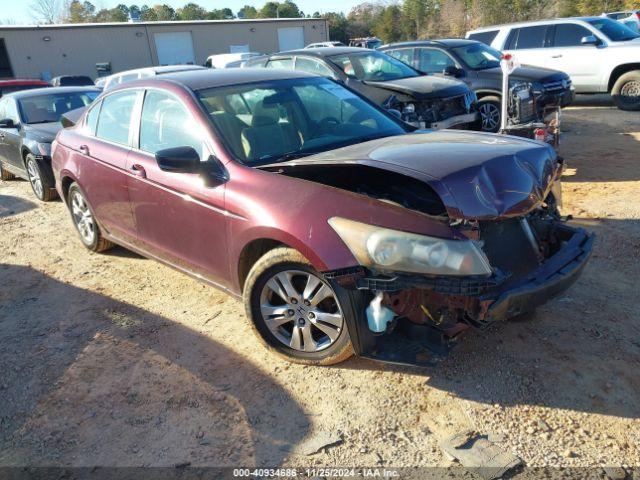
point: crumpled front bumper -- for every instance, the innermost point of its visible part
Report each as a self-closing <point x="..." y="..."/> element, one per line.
<point x="499" y="298"/>
<point x="551" y="278"/>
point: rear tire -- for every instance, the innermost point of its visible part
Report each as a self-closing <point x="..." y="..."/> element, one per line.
<point x="85" y="222"/>
<point x="307" y="327"/>
<point x="490" y="112"/>
<point x="626" y="91"/>
<point x="40" y="179"/>
<point x="6" y="174"/>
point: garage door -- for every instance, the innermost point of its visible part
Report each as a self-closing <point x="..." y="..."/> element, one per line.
<point x="174" y="48"/>
<point x="290" y="38"/>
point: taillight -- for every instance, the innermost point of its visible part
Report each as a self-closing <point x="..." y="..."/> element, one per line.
<point x="638" y="15"/>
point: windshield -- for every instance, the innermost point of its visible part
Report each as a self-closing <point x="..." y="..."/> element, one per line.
<point x="49" y="108"/>
<point x="478" y="56"/>
<point x="274" y="121"/>
<point x="613" y="30"/>
<point x="372" y="66"/>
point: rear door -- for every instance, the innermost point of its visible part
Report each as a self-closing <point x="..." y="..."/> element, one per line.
<point x="102" y="146"/>
<point x="178" y="218"/>
<point x="528" y="44"/>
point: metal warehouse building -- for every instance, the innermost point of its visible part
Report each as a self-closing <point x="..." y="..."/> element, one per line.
<point x="102" y="48"/>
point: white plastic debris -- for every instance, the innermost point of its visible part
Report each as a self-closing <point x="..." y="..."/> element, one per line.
<point x="377" y="315"/>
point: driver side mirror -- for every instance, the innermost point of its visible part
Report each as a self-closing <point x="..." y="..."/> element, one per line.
<point x="590" y="40"/>
<point x="7" y="123"/>
<point x="178" y="160"/>
<point x="453" y="71"/>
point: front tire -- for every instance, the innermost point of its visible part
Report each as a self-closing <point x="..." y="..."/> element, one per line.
<point x="85" y="222"/>
<point x="490" y="111"/>
<point x="40" y="180"/>
<point x="626" y="91"/>
<point x="295" y="311"/>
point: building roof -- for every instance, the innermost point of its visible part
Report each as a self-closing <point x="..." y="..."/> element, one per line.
<point x="211" y="78"/>
<point x="152" y="24"/>
<point x="51" y="90"/>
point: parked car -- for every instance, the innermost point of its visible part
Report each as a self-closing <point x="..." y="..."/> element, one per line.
<point x="129" y="75"/>
<point x="229" y="60"/>
<point x="29" y="121"/>
<point x="72" y="81"/>
<point x="599" y="54"/>
<point x="325" y="45"/>
<point x="365" y="42"/>
<point x="316" y="206"/>
<point x="478" y="65"/>
<point x="629" y="18"/>
<point x="424" y="101"/>
<point x="15" y="85"/>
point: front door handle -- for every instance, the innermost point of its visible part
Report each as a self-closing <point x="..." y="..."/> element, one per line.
<point x="84" y="149"/>
<point x="138" y="170"/>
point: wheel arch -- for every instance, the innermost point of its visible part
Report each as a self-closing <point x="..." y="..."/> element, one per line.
<point x="488" y="93"/>
<point x="619" y="71"/>
<point x="251" y="253"/>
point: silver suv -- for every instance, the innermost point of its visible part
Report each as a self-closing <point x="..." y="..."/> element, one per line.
<point x="599" y="54"/>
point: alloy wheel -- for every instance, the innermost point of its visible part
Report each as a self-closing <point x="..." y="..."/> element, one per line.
<point x="631" y="90"/>
<point x="490" y="114"/>
<point x="301" y="310"/>
<point x="83" y="218"/>
<point x="34" y="178"/>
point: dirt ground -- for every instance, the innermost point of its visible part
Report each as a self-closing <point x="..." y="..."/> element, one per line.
<point x="117" y="360"/>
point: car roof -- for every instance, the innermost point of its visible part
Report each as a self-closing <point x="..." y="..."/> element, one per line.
<point x="325" y="51"/>
<point x="51" y="90"/>
<point x="211" y="78"/>
<point x="445" y="42"/>
<point x="533" y="23"/>
<point x="18" y="82"/>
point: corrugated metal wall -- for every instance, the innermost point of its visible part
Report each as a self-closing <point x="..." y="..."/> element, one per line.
<point x="34" y="51"/>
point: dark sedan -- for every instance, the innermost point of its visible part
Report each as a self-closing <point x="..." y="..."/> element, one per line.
<point x="343" y="228"/>
<point x="423" y="101"/>
<point x="29" y="121"/>
<point x="478" y="65"/>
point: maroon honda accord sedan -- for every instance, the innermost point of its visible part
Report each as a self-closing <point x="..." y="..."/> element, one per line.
<point x="342" y="228"/>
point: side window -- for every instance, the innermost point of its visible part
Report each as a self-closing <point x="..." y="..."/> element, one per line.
<point x="166" y="123"/>
<point x="3" y="108"/>
<point x="484" y="37"/>
<point x="431" y="60"/>
<point x="114" y="119"/>
<point x="313" y="66"/>
<point x="12" y="111"/>
<point x="286" y="63"/>
<point x="530" y="37"/>
<point x="569" y="35"/>
<point x="91" y="120"/>
<point x="403" y="54"/>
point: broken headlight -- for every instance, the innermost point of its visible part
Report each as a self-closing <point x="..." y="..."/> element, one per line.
<point x="387" y="249"/>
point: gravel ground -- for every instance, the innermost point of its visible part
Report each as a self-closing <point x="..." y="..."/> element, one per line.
<point x="116" y="360"/>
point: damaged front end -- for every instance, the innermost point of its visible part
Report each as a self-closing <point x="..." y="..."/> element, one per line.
<point x="533" y="258"/>
<point x="436" y="113"/>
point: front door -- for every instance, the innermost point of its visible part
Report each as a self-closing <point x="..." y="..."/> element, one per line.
<point x="178" y="218"/>
<point x="10" y="138"/>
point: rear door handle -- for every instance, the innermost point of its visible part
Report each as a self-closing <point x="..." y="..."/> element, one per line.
<point x="84" y="149"/>
<point x="556" y="56"/>
<point x="138" y="170"/>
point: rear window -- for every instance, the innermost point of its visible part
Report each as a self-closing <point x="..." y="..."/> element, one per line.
<point x="527" y="37"/>
<point x="484" y="37"/>
<point x="615" y="31"/>
<point x="115" y="117"/>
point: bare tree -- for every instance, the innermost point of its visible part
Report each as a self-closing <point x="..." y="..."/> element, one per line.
<point x="45" y="11"/>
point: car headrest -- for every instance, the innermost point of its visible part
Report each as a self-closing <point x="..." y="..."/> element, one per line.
<point x="263" y="121"/>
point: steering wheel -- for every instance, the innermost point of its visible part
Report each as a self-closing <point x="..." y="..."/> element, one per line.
<point x="327" y="125"/>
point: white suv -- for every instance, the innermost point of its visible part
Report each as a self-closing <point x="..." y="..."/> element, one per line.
<point x="599" y="54"/>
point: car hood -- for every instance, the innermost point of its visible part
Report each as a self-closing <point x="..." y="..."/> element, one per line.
<point x="476" y="175"/>
<point x="43" y="132"/>
<point x="527" y="73"/>
<point x="423" y="87"/>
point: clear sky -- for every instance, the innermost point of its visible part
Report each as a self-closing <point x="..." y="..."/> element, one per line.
<point x="18" y="11"/>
